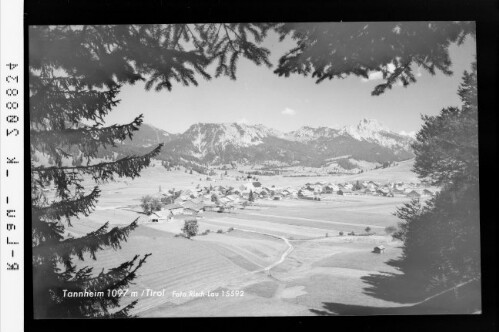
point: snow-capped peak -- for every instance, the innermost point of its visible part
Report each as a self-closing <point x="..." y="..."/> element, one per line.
<point x="366" y="129"/>
<point x="371" y="125"/>
<point x="373" y="131"/>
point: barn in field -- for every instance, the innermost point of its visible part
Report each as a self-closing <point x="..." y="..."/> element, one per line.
<point x="379" y="249"/>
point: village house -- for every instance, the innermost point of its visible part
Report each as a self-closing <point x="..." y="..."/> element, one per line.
<point x="384" y="191"/>
<point x="190" y="212"/>
<point x="174" y="209"/>
<point x="233" y="198"/>
<point x="160" y="216"/>
<point x="210" y="207"/>
<point x="195" y="205"/>
<point x="224" y="200"/>
<point x="305" y="194"/>
<point x="348" y="186"/>
<point x="414" y="194"/>
<point x="397" y="192"/>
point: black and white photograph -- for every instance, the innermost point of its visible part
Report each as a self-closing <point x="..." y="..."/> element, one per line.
<point x="254" y="169"/>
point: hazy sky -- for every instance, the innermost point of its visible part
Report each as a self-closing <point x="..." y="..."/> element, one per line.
<point x="260" y="96"/>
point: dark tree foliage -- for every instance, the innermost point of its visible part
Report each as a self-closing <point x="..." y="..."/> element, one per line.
<point x="357" y="186"/>
<point x="75" y="76"/>
<point x="447" y="144"/>
<point x="442" y="237"/>
<point x="338" y="50"/>
<point x="251" y="197"/>
<point x="150" y="204"/>
<point x="190" y="228"/>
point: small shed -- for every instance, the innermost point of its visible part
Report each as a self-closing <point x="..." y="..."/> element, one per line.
<point x="379" y="249"/>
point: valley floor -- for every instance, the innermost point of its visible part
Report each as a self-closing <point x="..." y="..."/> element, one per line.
<point x="282" y="258"/>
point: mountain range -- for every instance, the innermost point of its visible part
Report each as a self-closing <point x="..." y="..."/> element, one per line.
<point x="226" y="143"/>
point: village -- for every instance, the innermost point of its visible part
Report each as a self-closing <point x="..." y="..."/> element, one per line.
<point x="192" y="202"/>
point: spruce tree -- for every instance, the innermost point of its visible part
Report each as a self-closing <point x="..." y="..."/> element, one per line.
<point x="442" y="237"/>
<point x="75" y="76"/>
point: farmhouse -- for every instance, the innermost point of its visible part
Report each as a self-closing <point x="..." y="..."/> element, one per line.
<point x="160" y="216"/>
<point x="225" y="200"/>
<point x="210" y="206"/>
<point x="348" y="186"/>
<point x="233" y="198"/>
<point x="175" y="209"/>
<point x="190" y="211"/>
<point x="397" y="191"/>
<point x="383" y="191"/>
<point x="347" y="191"/>
<point x="193" y="205"/>
<point x="379" y="249"/>
<point x="306" y="194"/>
<point x="413" y="194"/>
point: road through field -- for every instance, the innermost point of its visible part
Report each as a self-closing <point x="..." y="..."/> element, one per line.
<point x="317" y="220"/>
<point x="284" y="254"/>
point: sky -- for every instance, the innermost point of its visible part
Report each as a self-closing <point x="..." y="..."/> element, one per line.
<point x="258" y="96"/>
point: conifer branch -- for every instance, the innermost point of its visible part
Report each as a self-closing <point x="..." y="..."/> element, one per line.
<point x="64" y="176"/>
<point x="45" y="231"/>
<point x="90" y="243"/>
<point x="46" y="102"/>
<point x="118" y="277"/>
<point x="68" y="208"/>
<point x="88" y="139"/>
